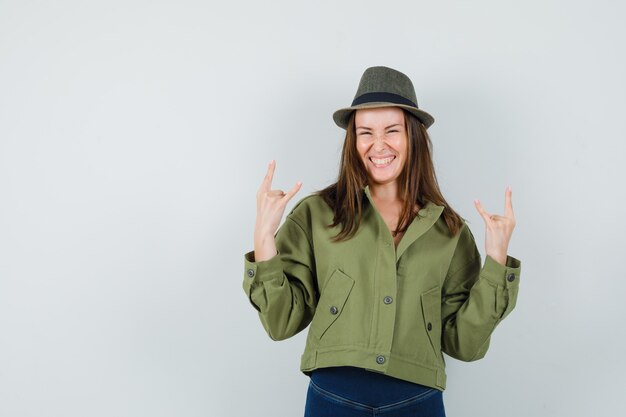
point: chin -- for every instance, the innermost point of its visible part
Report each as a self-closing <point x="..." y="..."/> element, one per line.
<point x="381" y="180"/>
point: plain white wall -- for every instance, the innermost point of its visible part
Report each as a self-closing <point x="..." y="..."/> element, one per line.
<point x="134" y="135"/>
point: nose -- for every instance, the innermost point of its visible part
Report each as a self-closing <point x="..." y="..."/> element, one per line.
<point x="379" y="143"/>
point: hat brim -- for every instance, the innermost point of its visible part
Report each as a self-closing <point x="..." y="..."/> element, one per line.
<point x="342" y="116"/>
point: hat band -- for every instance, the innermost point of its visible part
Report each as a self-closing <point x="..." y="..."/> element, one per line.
<point x="382" y="97"/>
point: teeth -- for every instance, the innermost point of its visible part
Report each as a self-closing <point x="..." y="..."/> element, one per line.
<point x="385" y="161"/>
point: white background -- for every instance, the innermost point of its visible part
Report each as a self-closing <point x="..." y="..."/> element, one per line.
<point x="134" y="135"/>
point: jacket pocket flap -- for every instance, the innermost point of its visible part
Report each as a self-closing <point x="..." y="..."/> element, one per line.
<point x="431" y="309"/>
<point x="332" y="302"/>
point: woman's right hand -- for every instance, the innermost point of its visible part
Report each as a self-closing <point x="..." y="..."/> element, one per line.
<point x="270" y="207"/>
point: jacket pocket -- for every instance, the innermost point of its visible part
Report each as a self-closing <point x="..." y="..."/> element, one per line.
<point x="332" y="302"/>
<point x="431" y="310"/>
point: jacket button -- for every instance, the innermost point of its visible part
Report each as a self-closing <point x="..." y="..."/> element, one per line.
<point x="510" y="277"/>
<point x="429" y="326"/>
<point x="334" y="310"/>
<point x="380" y="359"/>
<point x="387" y="300"/>
<point x="250" y="273"/>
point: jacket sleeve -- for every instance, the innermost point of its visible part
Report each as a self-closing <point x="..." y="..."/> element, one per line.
<point x="283" y="289"/>
<point x="474" y="299"/>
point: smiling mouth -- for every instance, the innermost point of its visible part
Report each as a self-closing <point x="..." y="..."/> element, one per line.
<point x="382" y="162"/>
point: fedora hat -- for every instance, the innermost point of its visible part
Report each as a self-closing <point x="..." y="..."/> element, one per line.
<point x="383" y="87"/>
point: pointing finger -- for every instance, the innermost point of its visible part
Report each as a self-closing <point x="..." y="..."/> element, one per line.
<point x="483" y="213"/>
<point x="508" y="205"/>
<point x="293" y="191"/>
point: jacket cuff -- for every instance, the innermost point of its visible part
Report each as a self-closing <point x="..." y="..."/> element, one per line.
<point x="261" y="271"/>
<point x="502" y="275"/>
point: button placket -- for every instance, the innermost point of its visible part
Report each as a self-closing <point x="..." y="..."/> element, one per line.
<point x="384" y="317"/>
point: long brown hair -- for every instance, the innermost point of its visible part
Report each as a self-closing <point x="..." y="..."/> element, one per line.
<point x="417" y="182"/>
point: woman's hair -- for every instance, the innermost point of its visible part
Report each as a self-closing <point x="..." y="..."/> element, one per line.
<point x="417" y="183"/>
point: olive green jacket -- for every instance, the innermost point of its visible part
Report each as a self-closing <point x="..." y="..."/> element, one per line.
<point x="375" y="306"/>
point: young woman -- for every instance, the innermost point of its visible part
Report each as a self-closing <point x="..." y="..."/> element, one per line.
<point x="386" y="273"/>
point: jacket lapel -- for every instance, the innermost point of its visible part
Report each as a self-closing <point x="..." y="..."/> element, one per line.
<point x="428" y="216"/>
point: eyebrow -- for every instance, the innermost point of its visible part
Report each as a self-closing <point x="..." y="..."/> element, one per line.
<point x="369" y="128"/>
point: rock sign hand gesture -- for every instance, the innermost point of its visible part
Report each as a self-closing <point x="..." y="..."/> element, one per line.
<point x="498" y="229"/>
<point x="270" y="206"/>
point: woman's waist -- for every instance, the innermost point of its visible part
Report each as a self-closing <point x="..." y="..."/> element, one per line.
<point x="364" y="386"/>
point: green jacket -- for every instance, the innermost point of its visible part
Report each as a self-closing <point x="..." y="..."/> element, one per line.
<point x="375" y="306"/>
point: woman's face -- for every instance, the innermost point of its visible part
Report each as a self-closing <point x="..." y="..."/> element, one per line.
<point x="381" y="141"/>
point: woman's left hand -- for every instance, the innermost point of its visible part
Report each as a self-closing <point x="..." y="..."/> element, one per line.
<point x="498" y="229"/>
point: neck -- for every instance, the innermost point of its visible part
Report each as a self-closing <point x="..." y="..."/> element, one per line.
<point x="385" y="192"/>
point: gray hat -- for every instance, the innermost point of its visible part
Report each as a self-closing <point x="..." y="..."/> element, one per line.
<point x="383" y="87"/>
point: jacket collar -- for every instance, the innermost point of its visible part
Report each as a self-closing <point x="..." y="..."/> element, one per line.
<point x="427" y="217"/>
